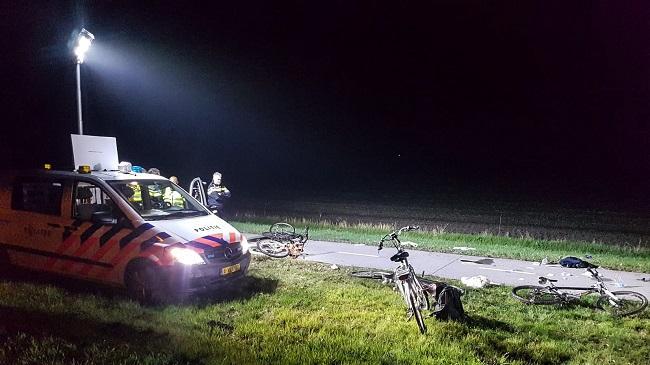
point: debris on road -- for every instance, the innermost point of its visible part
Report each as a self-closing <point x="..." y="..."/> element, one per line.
<point x="463" y="248"/>
<point x="476" y="282"/>
<point x="575" y="263"/>
<point x="479" y="262"/>
<point x="619" y="282"/>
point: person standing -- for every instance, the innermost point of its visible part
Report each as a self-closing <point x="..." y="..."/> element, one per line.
<point x="217" y="194"/>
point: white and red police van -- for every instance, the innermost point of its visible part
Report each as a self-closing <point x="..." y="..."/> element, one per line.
<point x="133" y="230"/>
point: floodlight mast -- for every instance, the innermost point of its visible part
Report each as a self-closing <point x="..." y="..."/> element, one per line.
<point x="84" y="40"/>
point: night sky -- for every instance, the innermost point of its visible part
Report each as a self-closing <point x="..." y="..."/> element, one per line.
<point x="548" y="98"/>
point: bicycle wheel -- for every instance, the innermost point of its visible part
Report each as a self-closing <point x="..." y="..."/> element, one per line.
<point x="533" y="294"/>
<point x="414" y="308"/>
<point x="372" y="274"/>
<point x="282" y="229"/>
<point x="625" y="304"/>
<point x="421" y="295"/>
<point x="273" y="248"/>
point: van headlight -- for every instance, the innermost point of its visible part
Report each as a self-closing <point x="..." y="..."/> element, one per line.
<point x="186" y="256"/>
<point x="244" y="245"/>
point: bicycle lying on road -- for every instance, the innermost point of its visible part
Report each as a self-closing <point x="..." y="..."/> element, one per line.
<point x="282" y="240"/>
<point x="618" y="303"/>
<point x="414" y="294"/>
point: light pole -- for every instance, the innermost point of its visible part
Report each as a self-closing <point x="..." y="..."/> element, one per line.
<point x="84" y="40"/>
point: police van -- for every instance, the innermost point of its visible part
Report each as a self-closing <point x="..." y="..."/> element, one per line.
<point x="132" y="230"/>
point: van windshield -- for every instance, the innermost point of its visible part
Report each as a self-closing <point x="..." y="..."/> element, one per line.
<point x="158" y="199"/>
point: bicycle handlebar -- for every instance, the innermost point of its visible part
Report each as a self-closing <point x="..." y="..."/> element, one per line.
<point x="394" y="234"/>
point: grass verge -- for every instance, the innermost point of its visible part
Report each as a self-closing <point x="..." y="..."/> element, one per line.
<point x="627" y="258"/>
<point x="296" y="312"/>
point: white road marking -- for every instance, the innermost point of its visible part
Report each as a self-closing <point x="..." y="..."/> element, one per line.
<point x="357" y="254"/>
<point x="505" y="270"/>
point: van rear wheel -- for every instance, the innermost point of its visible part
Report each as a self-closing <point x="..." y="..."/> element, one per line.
<point x="142" y="283"/>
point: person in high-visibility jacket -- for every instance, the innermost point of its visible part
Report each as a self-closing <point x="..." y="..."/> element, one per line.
<point x="173" y="197"/>
<point x="137" y="193"/>
<point x="217" y="193"/>
<point x="155" y="192"/>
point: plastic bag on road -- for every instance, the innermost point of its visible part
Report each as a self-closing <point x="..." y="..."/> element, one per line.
<point x="476" y="282"/>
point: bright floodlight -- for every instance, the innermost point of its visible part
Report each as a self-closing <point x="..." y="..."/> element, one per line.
<point x="84" y="40"/>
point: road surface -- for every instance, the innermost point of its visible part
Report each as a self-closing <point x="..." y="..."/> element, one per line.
<point x="455" y="266"/>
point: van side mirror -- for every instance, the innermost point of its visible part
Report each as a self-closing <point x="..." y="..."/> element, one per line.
<point x="103" y="217"/>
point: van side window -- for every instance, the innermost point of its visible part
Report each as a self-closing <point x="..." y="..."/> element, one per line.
<point x="89" y="199"/>
<point x="37" y="195"/>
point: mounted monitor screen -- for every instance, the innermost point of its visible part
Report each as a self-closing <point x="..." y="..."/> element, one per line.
<point x="100" y="153"/>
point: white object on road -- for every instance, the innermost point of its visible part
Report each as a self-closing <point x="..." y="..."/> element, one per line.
<point x="476" y="282"/>
<point x="463" y="248"/>
<point x="619" y="282"/>
<point x="334" y="267"/>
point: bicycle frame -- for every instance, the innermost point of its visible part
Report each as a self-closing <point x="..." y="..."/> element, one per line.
<point x="293" y="243"/>
<point x="405" y="275"/>
<point x="404" y="272"/>
<point x="597" y="288"/>
<point x="618" y="303"/>
<point x="414" y="295"/>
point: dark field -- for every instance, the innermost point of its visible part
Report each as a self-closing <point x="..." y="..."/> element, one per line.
<point x="591" y="221"/>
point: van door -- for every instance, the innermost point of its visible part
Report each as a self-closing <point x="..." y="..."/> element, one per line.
<point x="36" y="222"/>
<point x="88" y="243"/>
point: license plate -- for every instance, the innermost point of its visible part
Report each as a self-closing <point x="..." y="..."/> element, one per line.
<point x="230" y="269"/>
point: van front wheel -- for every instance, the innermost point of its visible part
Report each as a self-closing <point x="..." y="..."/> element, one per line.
<point x="142" y="283"/>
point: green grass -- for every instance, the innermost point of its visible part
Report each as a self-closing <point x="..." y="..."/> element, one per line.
<point x="617" y="257"/>
<point x="296" y="312"/>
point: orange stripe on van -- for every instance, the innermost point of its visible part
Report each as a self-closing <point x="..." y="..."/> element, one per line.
<point x="112" y="243"/>
<point x="207" y="242"/>
<point x="63" y="247"/>
<point x="81" y="251"/>
<point x="124" y="253"/>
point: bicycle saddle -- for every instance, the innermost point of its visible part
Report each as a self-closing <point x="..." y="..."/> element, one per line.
<point x="543" y="280"/>
<point x="400" y="256"/>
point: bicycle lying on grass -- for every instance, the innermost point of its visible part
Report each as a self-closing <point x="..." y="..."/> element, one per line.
<point x="282" y="240"/>
<point x="413" y="292"/>
<point x="618" y="303"/>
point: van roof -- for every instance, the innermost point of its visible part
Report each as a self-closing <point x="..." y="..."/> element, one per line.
<point x="116" y="175"/>
<point x="100" y="175"/>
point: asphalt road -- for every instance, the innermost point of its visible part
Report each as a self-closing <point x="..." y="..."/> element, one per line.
<point x="455" y="266"/>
